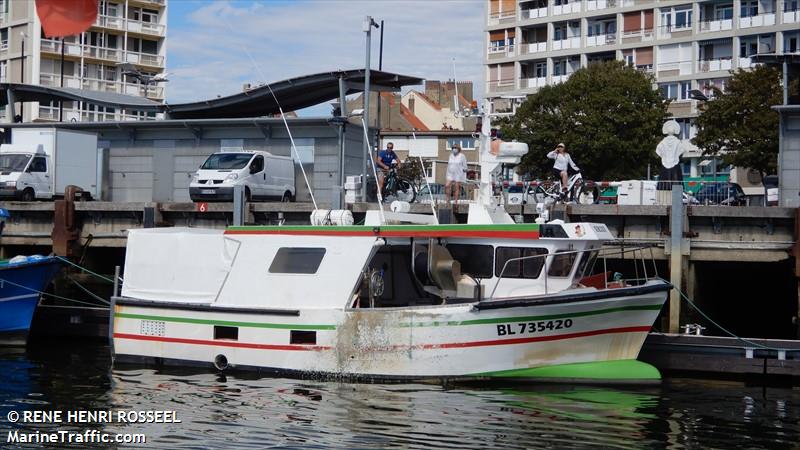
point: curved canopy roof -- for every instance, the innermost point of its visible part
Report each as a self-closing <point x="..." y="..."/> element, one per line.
<point x="292" y="94"/>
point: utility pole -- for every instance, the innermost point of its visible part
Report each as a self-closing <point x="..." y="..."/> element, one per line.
<point x="380" y="67"/>
<point x="22" y="73"/>
<point x="61" y="102"/>
<point x="369" y="22"/>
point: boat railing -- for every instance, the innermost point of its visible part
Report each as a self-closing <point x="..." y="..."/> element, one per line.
<point x="637" y="254"/>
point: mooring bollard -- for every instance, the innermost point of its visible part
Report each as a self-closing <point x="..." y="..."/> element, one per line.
<point x="676" y="258"/>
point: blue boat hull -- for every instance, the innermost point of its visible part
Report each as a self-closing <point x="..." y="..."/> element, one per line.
<point x="20" y="285"/>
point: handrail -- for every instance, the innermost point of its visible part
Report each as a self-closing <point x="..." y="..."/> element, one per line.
<point x="601" y="252"/>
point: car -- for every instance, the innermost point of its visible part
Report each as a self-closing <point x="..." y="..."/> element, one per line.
<point x="725" y="194"/>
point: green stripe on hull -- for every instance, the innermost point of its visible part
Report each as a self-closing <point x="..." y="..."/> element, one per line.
<point x="282" y="326"/>
<point x="620" y="370"/>
<point x="536" y="318"/>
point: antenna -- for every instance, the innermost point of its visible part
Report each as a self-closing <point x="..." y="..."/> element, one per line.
<point x="456" y="106"/>
<point x="283" y="116"/>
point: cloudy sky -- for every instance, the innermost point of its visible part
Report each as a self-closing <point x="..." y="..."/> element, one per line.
<point x="216" y="46"/>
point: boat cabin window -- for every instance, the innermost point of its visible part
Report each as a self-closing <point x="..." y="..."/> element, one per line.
<point x="561" y="264"/>
<point x="303" y="260"/>
<point x="586" y="266"/>
<point x="476" y="260"/>
<point x="526" y="268"/>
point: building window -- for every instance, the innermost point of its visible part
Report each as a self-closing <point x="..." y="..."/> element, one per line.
<point x="677" y="18"/>
<point x="749" y="8"/>
<point x="466" y="143"/>
<point x="723" y="12"/>
<point x="675" y="91"/>
<point x="298" y="260"/>
<point x="540" y="69"/>
<point x="687" y="128"/>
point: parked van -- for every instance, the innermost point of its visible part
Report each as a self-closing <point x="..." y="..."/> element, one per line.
<point x="263" y="175"/>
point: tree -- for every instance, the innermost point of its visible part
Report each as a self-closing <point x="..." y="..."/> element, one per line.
<point x="739" y="125"/>
<point x="608" y="115"/>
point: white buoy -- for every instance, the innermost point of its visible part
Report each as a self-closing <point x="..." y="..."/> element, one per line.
<point x="400" y="207"/>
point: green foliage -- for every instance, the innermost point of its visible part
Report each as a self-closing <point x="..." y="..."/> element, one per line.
<point x="608" y="115"/>
<point x="739" y="124"/>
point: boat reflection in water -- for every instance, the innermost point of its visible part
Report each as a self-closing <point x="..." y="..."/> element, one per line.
<point x="219" y="411"/>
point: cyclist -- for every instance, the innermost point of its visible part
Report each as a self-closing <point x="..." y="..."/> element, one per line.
<point x="384" y="161"/>
<point x="561" y="164"/>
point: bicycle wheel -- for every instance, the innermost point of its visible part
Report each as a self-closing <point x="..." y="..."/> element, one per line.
<point x="405" y="191"/>
<point x="585" y="195"/>
<point x="538" y="194"/>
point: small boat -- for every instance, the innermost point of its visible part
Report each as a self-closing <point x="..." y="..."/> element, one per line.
<point x="398" y="298"/>
<point x="22" y="280"/>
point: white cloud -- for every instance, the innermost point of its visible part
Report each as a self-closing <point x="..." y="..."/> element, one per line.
<point x="208" y="50"/>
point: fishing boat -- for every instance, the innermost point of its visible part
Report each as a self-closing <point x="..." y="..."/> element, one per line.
<point x="398" y="298"/>
<point x="22" y="279"/>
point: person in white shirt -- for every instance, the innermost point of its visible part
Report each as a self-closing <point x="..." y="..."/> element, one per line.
<point x="562" y="161"/>
<point x="456" y="173"/>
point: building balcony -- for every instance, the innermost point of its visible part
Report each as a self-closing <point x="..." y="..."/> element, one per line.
<point x="54" y="46"/>
<point x="4" y="45"/>
<point x="642" y="35"/>
<point x="561" y="78"/>
<point x="646" y="68"/>
<point x="505" y="51"/>
<point x="54" y="80"/>
<point x="504" y="85"/>
<point x="593" y="5"/>
<point x="150" y="2"/>
<point x="533" y="83"/>
<point x="711" y="26"/>
<point x="760" y="20"/>
<point x="674" y="69"/>
<point x="152" y="91"/>
<point x="2" y="17"/>
<point x="94" y="84"/>
<point x="673" y="31"/>
<point x="151" y="28"/>
<point x="502" y="17"/>
<point x="144" y="59"/>
<point x="564" y="44"/>
<point x="601" y="39"/>
<point x="745" y="63"/>
<point x="104" y="53"/>
<point x="117" y="23"/>
<point x="533" y="47"/>
<point x="791" y="16"/>
<point x="713" y="65"/>
<point x="569" y="8"/>
<point x="533" y="13"/>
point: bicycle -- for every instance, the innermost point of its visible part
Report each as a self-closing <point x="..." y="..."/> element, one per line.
<point x="577" y="191"/>
<point x="396" y="187"/>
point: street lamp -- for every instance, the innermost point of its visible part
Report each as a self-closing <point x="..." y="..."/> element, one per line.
<point x="366" y="27"/>
<point x="696" y="94"/>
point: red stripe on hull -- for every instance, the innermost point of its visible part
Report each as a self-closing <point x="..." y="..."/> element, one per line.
<point x="524" y="340"/>
<point x="527" y="340"/>
<point x="138" y="337"/>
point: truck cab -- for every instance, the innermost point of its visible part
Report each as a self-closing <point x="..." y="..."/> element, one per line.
<point x="24" y="174"/>
<point x="263" y="175"/>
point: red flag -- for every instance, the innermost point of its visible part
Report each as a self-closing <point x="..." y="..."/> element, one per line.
<point x="66" y="17"/>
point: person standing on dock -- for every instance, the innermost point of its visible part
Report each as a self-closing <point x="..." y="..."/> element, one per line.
<point x="562" y="162"/>
<point x="456" y="173"/>
<point x="385" y="160"/>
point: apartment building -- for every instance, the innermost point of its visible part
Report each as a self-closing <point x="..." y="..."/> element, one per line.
<point x="132" y="31"/>
<point x="686" y="45"/>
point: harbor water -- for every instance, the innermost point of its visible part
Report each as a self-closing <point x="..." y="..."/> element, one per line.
<point x="245" y="411"/>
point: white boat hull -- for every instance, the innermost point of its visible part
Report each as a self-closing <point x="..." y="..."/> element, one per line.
<point x="467" y="340"/>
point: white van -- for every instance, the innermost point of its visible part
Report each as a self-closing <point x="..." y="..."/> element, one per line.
<point x="263" y="175"/>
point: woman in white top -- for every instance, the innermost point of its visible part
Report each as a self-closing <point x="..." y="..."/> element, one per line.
<point x="562" y="161"/>
<point x="456" y="173"/>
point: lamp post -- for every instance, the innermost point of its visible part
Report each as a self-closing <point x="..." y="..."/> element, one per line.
<point x="369" y="22"/>
<point x="22" y="72"/>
